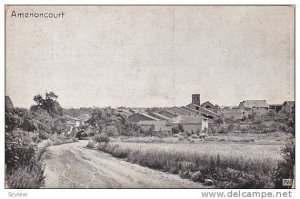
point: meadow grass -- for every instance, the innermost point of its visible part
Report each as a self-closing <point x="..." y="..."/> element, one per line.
<point x="227" y="168"/>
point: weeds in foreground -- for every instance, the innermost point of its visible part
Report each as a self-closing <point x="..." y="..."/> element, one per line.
<point x="27" y="177"/>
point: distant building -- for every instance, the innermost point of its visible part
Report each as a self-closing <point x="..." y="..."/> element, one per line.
<point x="84" y="118"/>
<point x="196" y="99"/>
<point x="179" y="111"/>
<point x="125" y="112"/>
<point x="236" y="114"/>
<point x="275" y="108"/>
<point x="202" y="111"/>
<point x="73" y="121"/>
<point x="259" y="107"/>
<point x="207" y="109"/>
<point x="209" y="106"/>
<point x="156" y="125"/>
<point x="146" y="121"/>
<point x="167" y="114"/>
<point x="139" y="116"/>
<point x="288" y="106"/>
<point x="189" y="123"/>
<point x="158" y="116"/>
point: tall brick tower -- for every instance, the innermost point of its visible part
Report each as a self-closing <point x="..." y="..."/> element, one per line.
<point x="196" y="99"/>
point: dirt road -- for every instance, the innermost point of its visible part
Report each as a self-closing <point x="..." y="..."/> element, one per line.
<point x="75" y="166"/>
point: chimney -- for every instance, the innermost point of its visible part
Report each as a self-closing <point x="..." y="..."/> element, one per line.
<point x="196" y="99"/>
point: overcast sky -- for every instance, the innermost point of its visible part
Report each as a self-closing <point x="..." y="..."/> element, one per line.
<point x="151" y="56"/>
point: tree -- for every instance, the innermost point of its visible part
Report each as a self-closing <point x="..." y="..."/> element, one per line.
<point x="285" y="168"/>
<point x="48" y="103"/>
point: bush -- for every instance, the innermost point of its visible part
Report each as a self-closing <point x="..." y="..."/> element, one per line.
<point x="23" y="161"/>
<point x="163" y="134"/>
<point x="19" y="149"/>
<point x="230" y="128"/>
<point x="285" y="169"/>
<point x="43" y="135"/>
<point x="26" y="177"/>
<point x="101" y="138"/>
<point x="177" y="129"/>
<point x="91" y="144"/>
<point x="110" y="131"/>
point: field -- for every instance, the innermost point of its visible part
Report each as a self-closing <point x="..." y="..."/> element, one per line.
<point x="230" y="161"/>
<point x="253" y="146"/>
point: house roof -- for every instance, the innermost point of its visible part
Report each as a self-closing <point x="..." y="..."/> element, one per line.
<point x="147" y="115"/>
<point x="277" y="105"/>
<point x="202" y="110"/>
<point x="179" y="111"/>
<point x="167" y="113"/>
<point x="255" y="103"/>
<point x="158" y="116"/>
<point x="186" y="119"/>
<point x="125" y="112"/>
<point x="208" y="102"/>
<point x="84" y="117"/>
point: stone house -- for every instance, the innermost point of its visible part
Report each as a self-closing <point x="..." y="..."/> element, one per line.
<point x="259" y="107"/>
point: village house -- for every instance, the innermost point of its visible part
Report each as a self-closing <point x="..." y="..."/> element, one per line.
<point x="73" y="121"/>
<point x="147" y="122"/>
<point x="156" y="125"/>
<point x="259" y="107"/>
<point x="84" y="118"/>
<point x="275" y="108"/>
<point x="158" y="116"/>
<point x="209" y="112"/>
<point x="234" y="113"/>
<point x="140" y="116"/>
<point x="179" y="111"/>
<point x="209" y="106"/>
<point x="159" y="123"/>
<point x="189" y="123"/>
<point x="167" y="113"/>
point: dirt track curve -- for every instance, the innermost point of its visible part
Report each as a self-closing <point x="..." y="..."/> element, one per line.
<point x="75" y="166"/>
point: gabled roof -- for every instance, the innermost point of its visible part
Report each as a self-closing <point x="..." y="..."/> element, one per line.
<point x="125" y="112"/>
<point x="207" y="102"/>
<point x="179" y="111"/>
<point x="158" y="116"/>
<point x="186" y="119"/>
<point x="146" y="115"/>
<point x="255" y="103"/>
<point x="275" y="105"/>
<point x="167" y="113"/>
<point x="84" y="117"/>
<point x="203" y="110"/>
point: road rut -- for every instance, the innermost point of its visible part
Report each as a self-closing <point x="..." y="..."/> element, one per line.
<point x="74" y="166"/>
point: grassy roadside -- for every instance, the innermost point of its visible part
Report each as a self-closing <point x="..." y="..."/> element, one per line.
<point x="31" y="174"/>
<point x="225" y="172"/>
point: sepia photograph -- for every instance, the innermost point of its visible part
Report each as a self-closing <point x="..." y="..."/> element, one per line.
<point x="149" y="97"/>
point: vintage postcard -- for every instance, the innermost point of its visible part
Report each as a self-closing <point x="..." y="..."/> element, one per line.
<point x="136" y="96"/>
